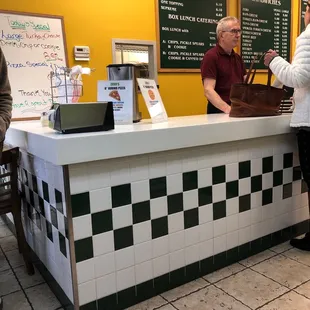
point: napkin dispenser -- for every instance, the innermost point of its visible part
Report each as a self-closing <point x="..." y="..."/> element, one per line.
<point x="82" y="117"/>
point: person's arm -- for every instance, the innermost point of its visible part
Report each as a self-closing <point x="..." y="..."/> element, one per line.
<point x="5" y="98"/>
<point x="213" y="96"/>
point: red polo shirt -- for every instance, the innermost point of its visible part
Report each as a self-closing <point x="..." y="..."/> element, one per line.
<point x="225" y="69"/>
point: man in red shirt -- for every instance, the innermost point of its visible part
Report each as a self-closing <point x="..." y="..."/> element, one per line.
<point x="221" y="66"/>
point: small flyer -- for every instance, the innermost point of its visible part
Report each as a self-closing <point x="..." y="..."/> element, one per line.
<point x="153" y="100"/>
<point x="121" y="94"/>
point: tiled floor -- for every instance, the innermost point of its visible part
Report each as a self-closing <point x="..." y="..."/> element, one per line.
<point x="20" y="291"/>
<point x="275" y="279"/>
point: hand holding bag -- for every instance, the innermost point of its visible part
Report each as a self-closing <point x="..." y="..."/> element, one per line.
<point x="250" y="100"/>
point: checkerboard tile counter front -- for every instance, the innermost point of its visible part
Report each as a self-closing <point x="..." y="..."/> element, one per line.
<point x="146" y="224"/>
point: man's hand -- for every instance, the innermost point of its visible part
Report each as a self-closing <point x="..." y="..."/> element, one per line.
<point x="227" y="110"/>
<point x="269" y="57"/>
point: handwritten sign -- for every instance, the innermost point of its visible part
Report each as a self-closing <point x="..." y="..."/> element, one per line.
<point x="33" y="45"/>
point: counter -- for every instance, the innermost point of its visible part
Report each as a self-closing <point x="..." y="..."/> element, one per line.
<point x="118" y="217"/>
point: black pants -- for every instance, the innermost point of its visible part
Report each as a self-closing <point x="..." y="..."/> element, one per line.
<point x="303" y="138"/>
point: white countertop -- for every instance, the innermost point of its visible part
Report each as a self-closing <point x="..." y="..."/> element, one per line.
<point x="140" y="138"/>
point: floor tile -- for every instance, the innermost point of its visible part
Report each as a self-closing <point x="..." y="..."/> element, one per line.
<point x="16" y="301"/>
<point x="4" y="265"/>
<point x="185" y="289"/>
<point x="8" y="243"/>
<point x="150" y="304"/>
<point x="41" y="297"/>
<point x="8" y="283"/>
<point x="251" y="288"/>
<point x="224" y="273"/>
<point x="4" y="231"/>
<point x="304" y="289"/>
<point x="166" y="307"/>
<point x="27" y="281"/>
<point x="256" y="259"/>
<point x="281" y="247"/>
<point x="302" y="257"/>
<point x="209" y="298"/>
<point x="284" y="270"/>
<point x="15" y="258"/>
<point x="289" y="301"/>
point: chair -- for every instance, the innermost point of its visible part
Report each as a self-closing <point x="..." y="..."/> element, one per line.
<point x="10" y="200"/>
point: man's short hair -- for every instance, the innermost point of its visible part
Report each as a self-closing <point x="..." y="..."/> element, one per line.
<point x="222" y="24"/>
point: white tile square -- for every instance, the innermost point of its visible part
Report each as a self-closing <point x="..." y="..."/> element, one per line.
<point x="143" y="252"/>
<point x="78" y="179"/>
<point x="100" y="200"/>
<point x="142" y="232"/>
<point x="175" y="222"/>
<point x="140" y="191"/>
<point x="304" y="200"/>
<point x="232" y="154"/>
<point x="61" y="223"/>
<point x="124" y="258"/>
<point x="98" y="174"/>
<point x="177" y="241"/>
<point x="277" y="162"/>
<point x="244" y="153"/>
<point x="245" y="219"/>
<point x="177" y="260"/>
<point x="256" y="215"/>
<point x="103" y="243"/>
<point x="161" y="265"/>
<point x="296" y="188"/>
<point x="287" y="175"/>
<point x="144" y="272"/>
<point x="125" y="278"/>
<point x="219" y="192"/>
<point x="159" y="207"/>
<point x="277" y="193"/>
<point x="296" y="162"/>
<point x="139" y="168"/>
<point x="206" y="249"/>
<point x="219" y="227"/>
<point x="174" y="184"/>
<point x="232" y="206"/>
<point x="190" y="199"/>
<point x="232" y="239"/>
<point x="268" y="211"/>
<point x="204" y="178"/>
<point x="192" y="254"/>
<point x="206" y="231"/>
<point x="267" y="151"/>
<point x="220" y="244"/>
<point x="85" y="271"/>
<point x="232" y="172"/>
<point x="82" y="227"/>
<point x="106" y="285"/>
<point x="192" y="236"/>
<point x="104" y="264"/>
<point x="205" y="214"/>
<point x="256" y="167"/>
<point x="174" y="163"/>
<point x="256" y="231"/>
<point x="87" y="292"/>
<point x="232" y="223"/>
<point x="256" y="200"/>
<point x="160" y="246"/>
<point x="120" y="172"/>
<point x="267" y="180"/>
<point x="40" y="187"/>
<point x="189" y="162"/>
<point x="122" y="217"/>
<point x="157" y="166"/>
<point x="244" y="186"/>
<point x="47" y="211"/>
<point x="244" y="235"/>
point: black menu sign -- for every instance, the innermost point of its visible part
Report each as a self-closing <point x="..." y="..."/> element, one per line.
<point x="186" y="29"/>
<point x="266" y="24"/>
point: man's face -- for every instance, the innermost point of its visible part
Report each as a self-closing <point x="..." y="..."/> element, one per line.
<point x="307" y="14"/>
<point x="231" y="34"/>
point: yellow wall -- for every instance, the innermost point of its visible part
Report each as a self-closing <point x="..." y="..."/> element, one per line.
<point x="96" y="22"/>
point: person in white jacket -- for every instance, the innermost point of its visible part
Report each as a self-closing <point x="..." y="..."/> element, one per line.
<point x="297" y="75"/>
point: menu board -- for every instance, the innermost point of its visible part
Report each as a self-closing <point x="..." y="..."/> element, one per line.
<point x="186" y="29"/>
<point x="265" y="25"/>
<point x="302" y="9"/>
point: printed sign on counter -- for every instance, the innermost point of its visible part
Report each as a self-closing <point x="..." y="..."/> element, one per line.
<point x="153" y="100"/>
<point x="121" y="94"/>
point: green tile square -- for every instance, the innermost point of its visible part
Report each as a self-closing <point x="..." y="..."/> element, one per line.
<point x="102" y="222"/>
<point x="218" y="175"/>
<point x="80" y="204"/>
<point x="83" y="249"/>
<point x="304" y="186"/>
<point x="267" y="196"/>
<point x="232" y="189"/>
<point x="121" y="195"/>
<point x="267" y="164"/>
<point x="191" y="218"/>
<point x="205" y="196"/>
<point x="256" y="183"/>
<point x="287" y="190"/>
<point x="244" y="169"/>
<point x="244" y="203"/>
<point x="219" y="210"/>
<point x="158" y="187"/>
<point x="175" y="203"/>
<point x="141" y="212"/>
<point x="190" y="180"/>
<point x="277" y="178"/>
<point x="297" y="174"/>
<point x="288" y="160"/>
